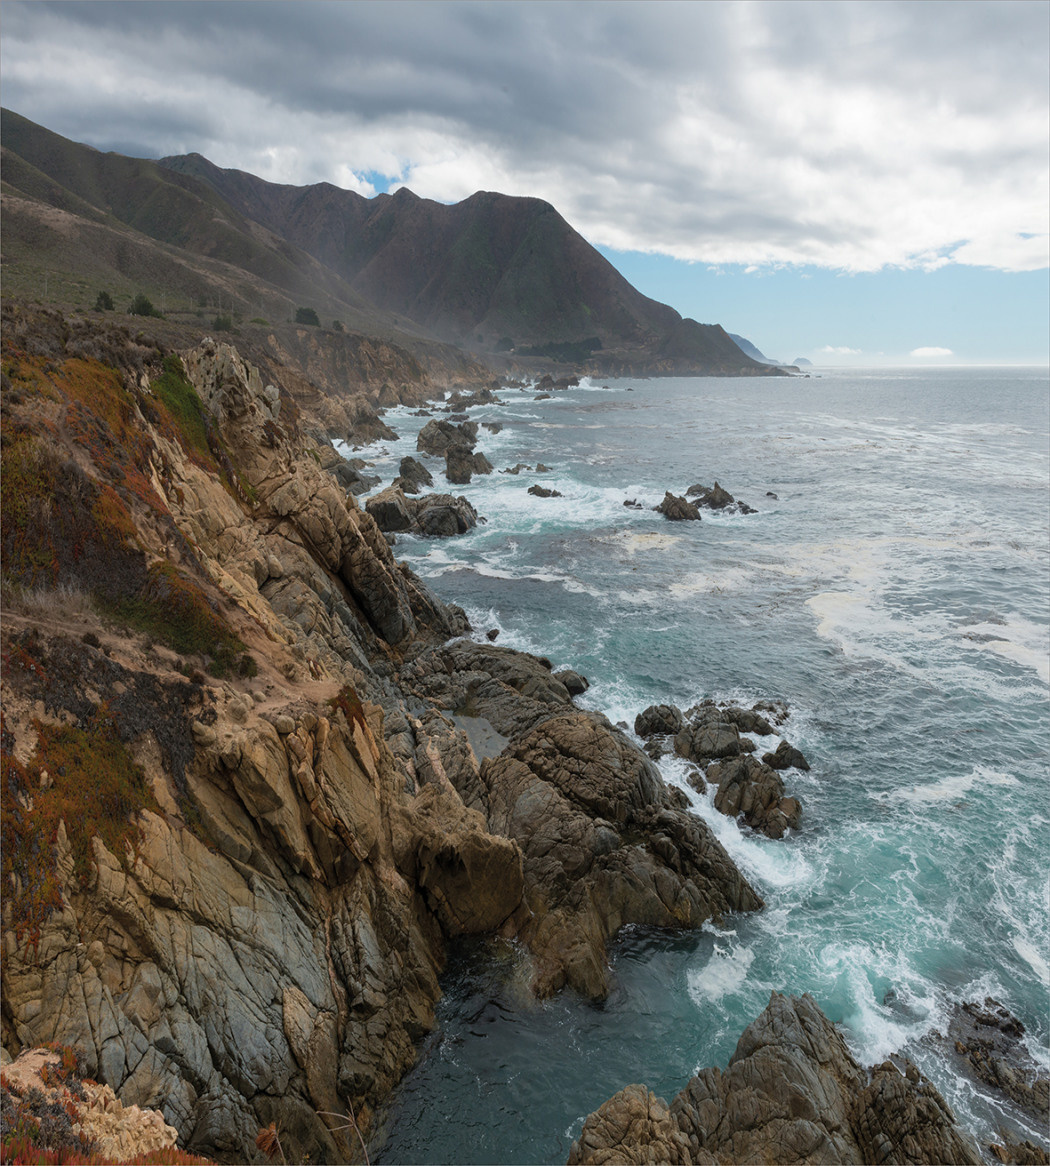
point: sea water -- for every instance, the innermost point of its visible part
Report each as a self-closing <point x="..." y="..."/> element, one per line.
<point x="892" y="589"/>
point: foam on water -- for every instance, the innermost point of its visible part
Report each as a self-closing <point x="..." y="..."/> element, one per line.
<point x="898" y="610"/>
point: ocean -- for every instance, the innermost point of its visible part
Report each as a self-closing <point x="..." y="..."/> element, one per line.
<point x="893" y="589"/>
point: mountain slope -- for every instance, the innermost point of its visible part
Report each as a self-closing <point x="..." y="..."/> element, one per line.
<point x="490" y="268"/>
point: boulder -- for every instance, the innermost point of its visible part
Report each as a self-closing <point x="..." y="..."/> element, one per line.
<point x="391" y="510"/>
<point x="658" y="719"/>
<point x="604" y="844"/>
<point x="413" y="470"/>
<point x="543" y="492"/>
<point x="459" y="465"/>
<point x="791" y="1093"/>
<point x="677" y="509"/>
<point x="754" y="792"/>
<point x="713" y="497"/>
<point x="443" y="516"/>
<point x="707" y="737"/>
<point x="575" y="684"/>
<point x="437" y="437"/>
<point x="785" y="757"/>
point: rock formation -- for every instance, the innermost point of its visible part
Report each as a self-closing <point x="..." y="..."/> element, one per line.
<point x="791" y="1093"/>
<point x="301" y="783"/>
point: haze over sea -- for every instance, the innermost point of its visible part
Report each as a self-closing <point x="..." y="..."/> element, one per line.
<point x="894" y="594"/>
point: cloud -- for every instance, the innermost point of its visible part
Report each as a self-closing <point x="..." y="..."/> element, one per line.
<point x="839" y="350"/>
<point x="851" y="136"/>
<point x="931" y="350"/>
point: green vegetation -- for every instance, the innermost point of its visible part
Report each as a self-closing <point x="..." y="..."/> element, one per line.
<point x="504" y="344"/>
<point x="104" y="302"/>
<point x="222" y="323"/>
<point x="173" y="608"/>
<point x="141" y="305"/>
<point x="259" y="320"/>
<point x="83" y="777"/>
<point x="307" y="316"/>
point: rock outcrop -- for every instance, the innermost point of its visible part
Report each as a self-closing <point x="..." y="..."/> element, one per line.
<point x="677" y="509"/>
<point x="791" y="1093"/>
<point x="434" y="515"/>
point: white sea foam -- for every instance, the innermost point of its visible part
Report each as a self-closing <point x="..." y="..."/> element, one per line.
<point x="723" y="974"/>
<point x="951" y="788"/>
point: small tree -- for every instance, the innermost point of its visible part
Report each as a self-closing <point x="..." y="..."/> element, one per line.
<point x="337" y="325"/>
<point x="307" y="316"/>
<point x="104" y="302"/>
<point x="141" y="306"/>
<point x="222" y="323"/>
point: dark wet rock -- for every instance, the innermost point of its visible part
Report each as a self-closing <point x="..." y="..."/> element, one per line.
<point x="492" y="635"/>
<point x="516" y="469"/>
<point x="482" y="465"/>
<point x="713" y="497"/>
<point x="414" y="471"/>
<point x="443" y="516"/>
<point x="575" y="684"/>
<point x="697" y="780"/>
<point x="658" y="718"/>
<point x="492" y="426"/>
<point x="748" y="721"/>
<point x="543" y="492"/>
<point x="391" y="510"/>
<point x="542" y="397"/>
<point x="785" y="757"/>
<point x="542" y="469"/>
<point x="990" y="1039"/>
<point x="459" y="465"/>
<point x="545" y="382"/>
<point x="435" y="515"/>
<point x="604" y="845"/>
<point x="707" y="737"/>
<point x="633" y="503"/>
<point x="791" y="1093"/>
<point x="437" y="437"/>
<point x="770" y="494"/>
<point x="677" y="509"/>
<point x="754" y="792"/>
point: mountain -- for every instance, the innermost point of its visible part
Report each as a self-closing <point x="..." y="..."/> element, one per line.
<point x="751" y="350"/>
<point x="493" y="274"/>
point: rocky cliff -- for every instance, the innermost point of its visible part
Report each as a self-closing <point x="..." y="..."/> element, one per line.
<point x="242" y="814"/>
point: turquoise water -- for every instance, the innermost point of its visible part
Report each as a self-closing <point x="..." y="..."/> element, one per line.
<point x="895" y="595"/>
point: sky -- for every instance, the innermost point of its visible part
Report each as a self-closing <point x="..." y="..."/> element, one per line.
<point x="859" y="182"/>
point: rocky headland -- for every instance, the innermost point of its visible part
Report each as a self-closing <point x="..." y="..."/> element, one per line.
<point x="256" y="777"/>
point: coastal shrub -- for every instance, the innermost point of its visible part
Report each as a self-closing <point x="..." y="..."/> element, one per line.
<point x="222" y="323"/>
<point x="504" y="344"/>
<point x="259" y="320"/>
<point x="103" y="302"/>
<point x="85" y="778"/>
<point x="337" y="325"/>
<point x="141" y="305"/>
<point x="307" y="316"/>
<point x="174" y="609"/>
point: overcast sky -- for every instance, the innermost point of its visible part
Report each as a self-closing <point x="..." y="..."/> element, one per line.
<point x="765" y="165"/>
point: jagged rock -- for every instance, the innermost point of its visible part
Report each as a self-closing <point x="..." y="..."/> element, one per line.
<point x="437" y="437"/>
<point x="677" y="509"/>
<point x="707" y="737"/>
<point x="658" y="719"/>
<point x="633" y="1126"/>
<point x="516" y="469"/>
<point x="749" y="721"/>
<point x="791" y="1093"/>
<point x="785" y="757"/>
<point x="543" y="492"/>
<point x="989" y="1037"/>
<point x="1023" y="1153"/>
<point x="413" y="470"/>
<point x="713" y="497"/>
<point x="391" y="510"/>
<point x="753" y="791"/>
<point x="604" y="845"/>
<point x="443" y="516"/>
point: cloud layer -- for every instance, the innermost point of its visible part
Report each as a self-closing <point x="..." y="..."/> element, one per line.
<point x="846" y="135"/>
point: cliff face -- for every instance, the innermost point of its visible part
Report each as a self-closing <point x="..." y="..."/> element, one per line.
<point x="239" y="820"/>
